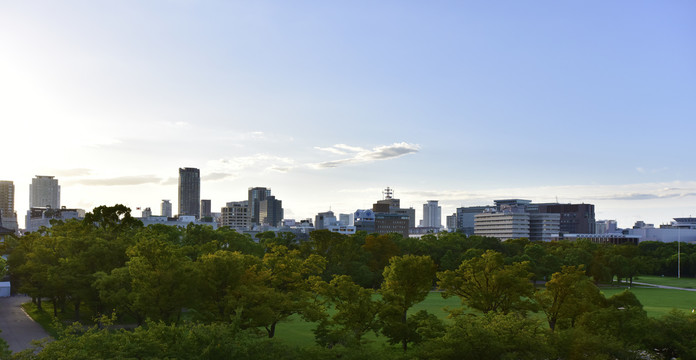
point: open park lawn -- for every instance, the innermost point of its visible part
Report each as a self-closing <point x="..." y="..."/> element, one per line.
<point x="657" y="302"/>
<point x="687" y="283"/>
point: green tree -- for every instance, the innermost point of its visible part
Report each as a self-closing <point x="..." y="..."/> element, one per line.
<point x="161" y="279"/>
<point x="623" y="318"/>
<point x="568" y="294"/>
<point x="344" y="255"/>
<point x="3" y="267"/>
<point x="486" y="284"/>
<point x="116" y="292"/>
<point x="380" y="248"/>
<point x="355" y="313"/>
<point x="407" y="281"/>
<point x="219" y="279"/>
<point x="281" y="287"/>
<point x="673" y="336"/>
<point x="492" y="336"/>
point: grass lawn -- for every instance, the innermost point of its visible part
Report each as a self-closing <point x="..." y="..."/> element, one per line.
<point x="44" y="318"/>
<point x="687" y="283"/>
<point x="299" y="332"/>
<point x="657" y="302"/>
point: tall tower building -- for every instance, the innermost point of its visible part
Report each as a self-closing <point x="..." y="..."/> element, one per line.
<point x="44" y="191"/>
<point x="271" y="211"/>
<point x="206" y="210"/>
<point x="432" y="214"/>
<point x="166" y="208"/>
<point x="256" y="196"/>
<point x="190" y="192"/>
<point x="7" y="193"/>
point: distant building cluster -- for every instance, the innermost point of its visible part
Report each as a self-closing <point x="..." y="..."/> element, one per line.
<point x="262" y="211"/>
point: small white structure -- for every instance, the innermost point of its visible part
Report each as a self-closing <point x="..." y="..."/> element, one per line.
<point x="4" y="288"/>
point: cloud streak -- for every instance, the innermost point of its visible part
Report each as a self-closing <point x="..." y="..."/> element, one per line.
<point x="120" y="181"/>
<point x="358" y="155"/>
<point x="231" y="167"/>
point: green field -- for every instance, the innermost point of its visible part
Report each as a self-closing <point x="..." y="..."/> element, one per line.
<point x="687" y="283"/>
<point x="299" y="332"/>
<point x="657" y="302"/>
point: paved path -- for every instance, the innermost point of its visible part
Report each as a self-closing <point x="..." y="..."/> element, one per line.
<point x="18" y="329"/>
<point x="663" y="286"/>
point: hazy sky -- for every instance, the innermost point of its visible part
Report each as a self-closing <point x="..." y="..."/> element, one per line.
<point x="330" y="102"/>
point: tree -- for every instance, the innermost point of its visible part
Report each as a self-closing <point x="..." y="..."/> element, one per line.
<point x="281" y="287"/>
<point x="355" y="312"/>
<point x="344" y="255"/>
<point x="219" y="277"/>
<point x="3" y="267"/>
<point x="161" y="279"/>
<point x="673" y="335"/>
<point x="568" y="294"/>
<point x="486" y="284"/>
<point x="380" y="248"/>
<point x="407" y="281"/>
<point x="623" y="318"/>
<point x="491" y="336"/>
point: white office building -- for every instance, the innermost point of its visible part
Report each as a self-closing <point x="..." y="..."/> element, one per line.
<point x="44" y="191"/>
<point x="432" y="215"/>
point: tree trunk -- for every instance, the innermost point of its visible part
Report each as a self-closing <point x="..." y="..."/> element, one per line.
<point x="271" y="330"/>
<point x="552" y="324"/>
<point x="77" y="311"/>
<point x="404" y="342"/>
<point x="38" y="304"/>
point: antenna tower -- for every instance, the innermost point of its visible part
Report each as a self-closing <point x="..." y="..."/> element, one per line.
<point x="388" y="193"/>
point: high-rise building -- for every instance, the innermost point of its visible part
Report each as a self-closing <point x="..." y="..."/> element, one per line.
<point x="606" y="226"/>
<point x="515" y="223"/>
<point x="44" y="191"/>
<point x="271" y="211"/>
<point x="8" y="217"/>
<point x="190" y="192"/>
<point x="235" y="215"/>
<point x="575" y="218"/>
<point x="7" y="194"/>
<point x="432" y="214"/>
<point x="166" y="208"/>
<point x="386" y="223"/>
<point x="324" y="219"/>
<point x="391" y="205"/>
<point x="206" y="211"/>
<point x="256" y="195"/>
<point x="465" y="218"/>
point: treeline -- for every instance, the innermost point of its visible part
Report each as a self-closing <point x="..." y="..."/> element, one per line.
<point x="221" y="292"/>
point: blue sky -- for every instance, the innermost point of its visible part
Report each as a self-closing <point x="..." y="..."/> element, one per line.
<point x="327" y="103"/>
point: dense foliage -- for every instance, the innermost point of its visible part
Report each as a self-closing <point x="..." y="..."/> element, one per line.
<point x="196" y="292"/>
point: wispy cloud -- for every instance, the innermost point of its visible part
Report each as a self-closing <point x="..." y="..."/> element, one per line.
<point x="643" y="170"/>
<point x="65" y="173"/>
<point x="359" y="155"/>
<point x="120" y="181"/>
<point x="226" y="168"/>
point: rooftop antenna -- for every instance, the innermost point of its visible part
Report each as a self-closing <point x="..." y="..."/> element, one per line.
<point x="387" y="193"/>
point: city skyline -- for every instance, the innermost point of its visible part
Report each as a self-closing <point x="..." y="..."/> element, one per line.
<point x="328" y="104"/>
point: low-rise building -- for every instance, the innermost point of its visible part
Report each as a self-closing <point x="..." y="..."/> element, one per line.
<point x="42" y="216"/>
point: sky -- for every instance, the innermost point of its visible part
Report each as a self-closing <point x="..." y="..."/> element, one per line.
<point x="328" y="103"/>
